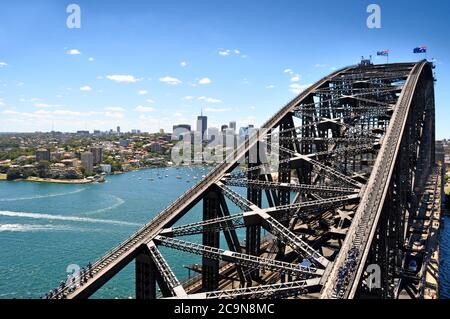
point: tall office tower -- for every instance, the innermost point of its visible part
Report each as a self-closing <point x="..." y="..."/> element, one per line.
<point x="118" y="130"/>
<point x="233" y="126"/>
<point x="202" y="125"/>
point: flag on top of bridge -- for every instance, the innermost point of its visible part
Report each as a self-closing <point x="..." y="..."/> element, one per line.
<point x="421" y="49"/>
<point x="383" y="53"/>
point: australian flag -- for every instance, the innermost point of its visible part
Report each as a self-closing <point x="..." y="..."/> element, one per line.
<point x="422" y="49"/>
<point x="383" y="53"/>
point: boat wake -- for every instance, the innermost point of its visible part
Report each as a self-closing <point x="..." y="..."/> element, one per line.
<point x="66" y="218"/>
<point x="119" y="202"/>
<point x="23" y="228"/>
<point x="41" y="196"/>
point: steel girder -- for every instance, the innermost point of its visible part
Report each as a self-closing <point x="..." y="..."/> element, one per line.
<point x="333" y="138"/>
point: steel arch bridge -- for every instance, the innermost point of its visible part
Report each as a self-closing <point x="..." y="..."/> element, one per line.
<point x="354" y="151"/>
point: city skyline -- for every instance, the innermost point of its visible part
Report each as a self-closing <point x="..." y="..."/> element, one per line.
<point x="144" y="73"/>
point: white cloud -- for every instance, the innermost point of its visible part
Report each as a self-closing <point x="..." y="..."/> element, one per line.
<point x="143" y="92"/>
<point x="123" y="78"/>
<point x="271" y="86"/>
<point x="288" y="71"/>
<point x="204" y="81"/>
<point x="225" y="52"/>
<point x="228" y="52"/>
<point x="188" y="98"/>
<point x="150" y="101"/>
<point x="209" y="100"/>
<point x="91" y="59"/>
<point x="295" y="78"/>
<point x="10" y="112"/>
<point x="144" y="109"/>
<point x="170" y="80"/>
<point x="214" y="110"/>
<point x="86" y="88"/>
<point x="115" y="115"/>
<point x="297" y="88"/>
<point x="73" y="52"/>
<point x="183" y="64"/>
<point x="318" y="65"/>
<point x="178" y="114"/>
<point x="115" y="109"/>
<point x="3" y="64"/>
<point x="44" y="105"/>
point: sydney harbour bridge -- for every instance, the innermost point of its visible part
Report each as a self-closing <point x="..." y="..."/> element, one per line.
<point x="355" y="151"/>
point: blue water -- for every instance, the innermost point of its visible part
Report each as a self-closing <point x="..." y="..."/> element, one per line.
<point x="44" y="228"/>
<point x="444" y="260"/>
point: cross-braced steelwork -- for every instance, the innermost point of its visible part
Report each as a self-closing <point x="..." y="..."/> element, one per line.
<point x="324" y="189"/>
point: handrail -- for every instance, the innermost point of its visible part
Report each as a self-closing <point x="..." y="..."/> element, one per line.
<point x="211" y="177"/>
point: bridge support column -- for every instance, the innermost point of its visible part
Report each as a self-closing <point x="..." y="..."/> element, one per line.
<point x="254" y="195"/>
<point x="145" y="277"/>
<point x="210" y="267"/>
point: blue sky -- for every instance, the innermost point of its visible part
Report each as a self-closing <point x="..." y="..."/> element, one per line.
<point x="151" y="64"/>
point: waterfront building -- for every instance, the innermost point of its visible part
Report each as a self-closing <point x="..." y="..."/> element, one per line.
<point x="106" y="168"/>
<point x="87" y="161"/>
<point x="42" y="154"/>
<point x="97" y="152"/>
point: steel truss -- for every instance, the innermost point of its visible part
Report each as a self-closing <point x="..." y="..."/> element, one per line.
<point x="350" y="152"/>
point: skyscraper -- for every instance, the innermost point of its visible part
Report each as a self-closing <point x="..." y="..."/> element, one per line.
<point x="202" y="125"/>
<point x="233" y="126"/>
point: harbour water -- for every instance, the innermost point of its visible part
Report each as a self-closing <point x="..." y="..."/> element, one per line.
<point x="444" y="260"/>
<point x="44" y="228"/>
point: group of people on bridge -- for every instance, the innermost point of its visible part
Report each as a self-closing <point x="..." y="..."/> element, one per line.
<point x="71" y="283"/>
<point x="344" y="271"/>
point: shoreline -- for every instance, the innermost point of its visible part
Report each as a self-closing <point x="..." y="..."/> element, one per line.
<point x="3" y="177"/>
<point x="56" y="181"/>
